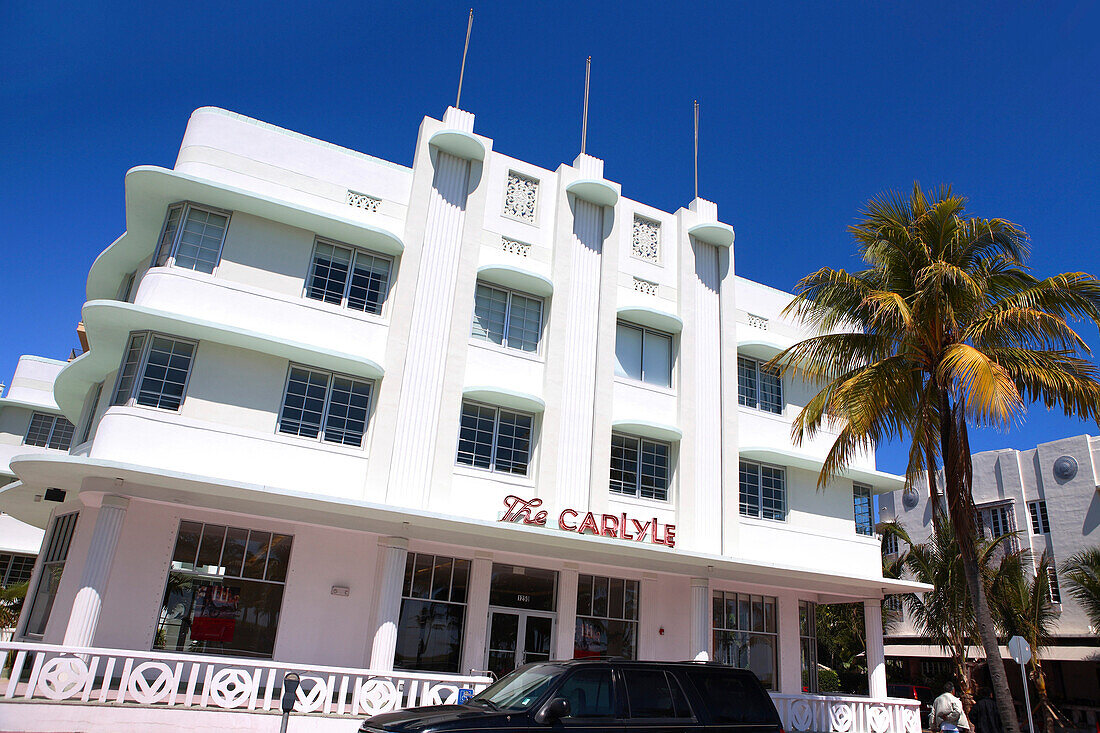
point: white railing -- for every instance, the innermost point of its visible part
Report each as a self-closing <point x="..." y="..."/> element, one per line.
<point x="116" y="676"/>
<point x="830" y="714"/>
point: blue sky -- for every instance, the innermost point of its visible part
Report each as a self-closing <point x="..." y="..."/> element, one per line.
<point x="808" y="109"/>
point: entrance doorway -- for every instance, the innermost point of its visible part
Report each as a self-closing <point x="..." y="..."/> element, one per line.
<point x="522" y="605"/>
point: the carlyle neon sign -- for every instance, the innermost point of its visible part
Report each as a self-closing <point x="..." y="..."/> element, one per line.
<point x="619" y="526"/>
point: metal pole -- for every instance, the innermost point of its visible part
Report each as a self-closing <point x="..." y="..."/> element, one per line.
<point x="696" y="148"/>
<point x="282" y="727"/>
<point x="584" y="119"/>
<point x="1027" y="699"/>
<point x="462" y="71"/>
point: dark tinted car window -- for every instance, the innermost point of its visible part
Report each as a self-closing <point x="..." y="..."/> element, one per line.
<point x="654" y="694"/>
<point x="589" y="694"/>
<point x="732" y="698"/>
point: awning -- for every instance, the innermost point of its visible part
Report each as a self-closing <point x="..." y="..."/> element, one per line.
<point x="505" y="398"/>
<point x="881" y="482"/>
<point x="517" y="278"/>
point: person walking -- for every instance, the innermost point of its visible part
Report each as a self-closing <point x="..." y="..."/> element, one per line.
<point x="947" y="712"/>
<point x="984" y="714"/>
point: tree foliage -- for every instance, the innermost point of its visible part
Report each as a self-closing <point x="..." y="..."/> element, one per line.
<point x="1082" y="575"/>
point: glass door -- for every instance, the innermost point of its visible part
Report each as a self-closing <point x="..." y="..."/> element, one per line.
<point x="518" y="637"/>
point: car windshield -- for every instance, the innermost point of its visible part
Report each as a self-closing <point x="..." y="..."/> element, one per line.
<point x="520" y="689"/>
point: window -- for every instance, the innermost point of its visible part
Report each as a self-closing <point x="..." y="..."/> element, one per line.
<point x="127" y="287"/>
<point x="507" y="318"/>
<point x="745" y="634"/>
<point x="348" y="277"/>
<point x="225" y="591"/>
<point x="53" y="565"/>
<point x="323" y="405"/>
<point x="607" y="618"/>
<point x="654" y="693"/>
<point x="643" y="354"/>
<point x="758" y="386"/>
<point x="15" y="568"/>
<point x="733" y="698"/>
<point x="164" y="365"/>
<point x="590" y="693"/>
<point x="495" y="439"/>
<point x="197" y="244"/>
<point x="89" y="417"/>
<point x="50" y="431"/>
<point x="1040" y="522"/>
<point x="861" y="500"/>
<point x="1052" y="582"/>
<point x="807" y="636"/>
<point x="889" y="544"/>
<point x="763" y="491"/>
<point x="639" y="467"/>
<point x="433" y="612"/>
<point x="996" y="520"/>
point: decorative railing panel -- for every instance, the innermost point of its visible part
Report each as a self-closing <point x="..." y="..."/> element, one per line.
<point x="829" y="714"/>
<point x="90" y="675"/>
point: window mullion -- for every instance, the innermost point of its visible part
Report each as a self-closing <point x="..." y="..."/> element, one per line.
<point x="641" y="360"/>
<point x="507" y="316"/>
<point x="139" y="375"/>
<point x="353" y="257"/>
<point x="496" y="437"/>
<point x="330" y="378"/>
<point x="759" y="387"/>
<point x="185" y="211"/>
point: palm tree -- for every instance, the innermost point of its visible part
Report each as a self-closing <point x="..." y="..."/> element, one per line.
<point x="1023" y="607"/>
<point x="945" y="327"/>
<point x="1082" y="574"/>
<point x="11" y="604"/>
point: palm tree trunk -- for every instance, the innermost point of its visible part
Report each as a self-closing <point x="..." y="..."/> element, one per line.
<point x="966" y="693"/>
<point x="1041" y="692"/>
<point x="958" y="474"/>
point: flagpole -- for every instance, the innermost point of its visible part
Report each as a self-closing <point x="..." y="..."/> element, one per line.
<point x="584" y="119"/>
<point x="696" y="148"/>
<point x="462" y="70"/>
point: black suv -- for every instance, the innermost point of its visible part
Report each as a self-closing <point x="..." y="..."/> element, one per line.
<point x="594" y="696"/>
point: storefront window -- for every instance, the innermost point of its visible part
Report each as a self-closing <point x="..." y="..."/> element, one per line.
<point x="53" y="564"/>
<point x="433" y="613"/>
<point x="745" y="634"/>
<point x="517" y="587"/>
<point x="224" y="592"/>
<point x="807" y="632"/>
<point x="607" y="618"/>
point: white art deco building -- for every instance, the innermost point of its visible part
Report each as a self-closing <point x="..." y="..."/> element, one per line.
<point x="338" y="412"/>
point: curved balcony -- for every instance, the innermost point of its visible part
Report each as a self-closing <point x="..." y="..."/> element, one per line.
<point x="642" y="315"/>
<point x="109" y="323"/>
<point x="880" y="481"/>
<point x="505" y="398"/>
<point x="151" y="189"/>
<point x="516" y="278"/>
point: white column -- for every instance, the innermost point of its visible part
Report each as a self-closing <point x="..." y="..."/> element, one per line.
<point x="97" y="570"/>
<point x="700" y="617"/>
<point x="707" y="377"/>
<point x="477" y="613"/>
<point x="567" y="613"/>
<point x="393" y="551"/>
<point x="790" y="646"/>
<point x="876" y="652"/>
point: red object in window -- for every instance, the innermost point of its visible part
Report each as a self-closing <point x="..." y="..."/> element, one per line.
<point x="204" y="628"/>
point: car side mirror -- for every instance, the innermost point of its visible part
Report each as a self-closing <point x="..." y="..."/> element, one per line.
<point x="553" y="711"/>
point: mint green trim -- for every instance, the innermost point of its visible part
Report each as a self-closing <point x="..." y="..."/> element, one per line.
<point x="647" y="429"/>
<point x="27" y="404"/>
<point x="459" y="143"/>
<point x="150" y="190"/>
<point x="505" y="398"/>
<point x="652" y="317"/>
<point x="881" y="482"/>
<point x="109" y="324"/>
<point x="596" y="191"/>
<point x="517" y="278"/>
<point x="716" y="233"/>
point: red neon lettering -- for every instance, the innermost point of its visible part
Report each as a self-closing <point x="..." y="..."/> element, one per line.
<point x="610" y="525"/>
<point x="561" y="520"/>
<point x="521" y="509"/>
<point x="641" y="529"/>
<point x="670" y="535"/>
<point x="656" y="540"/>
<point x="588" y="523"/>
<point x="625" y="530"/>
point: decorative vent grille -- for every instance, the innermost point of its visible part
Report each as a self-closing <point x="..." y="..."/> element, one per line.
<point x="646" y="244"/>
<point x="758" y="321"/>
<point x="515" y="246"/>
<point x="645" y="286"/>
<point x="520" y="197"/>
<point x="362" y="201"/>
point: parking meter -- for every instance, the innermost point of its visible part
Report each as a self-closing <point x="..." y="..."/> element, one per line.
<point x="290" y="695"/>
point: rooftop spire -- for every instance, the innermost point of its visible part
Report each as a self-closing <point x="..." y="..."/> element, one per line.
<point x="696" y="148"/>
<point x="584" y="118"/>
<point x="462" y="70"/>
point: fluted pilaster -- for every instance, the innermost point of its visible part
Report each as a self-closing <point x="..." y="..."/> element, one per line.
<point x="707" y="378"/>
<point x="876" y="652"/>
<point x="84" y="617"/>
<point x="393" y="551"/>
<point x="700" y="617"/>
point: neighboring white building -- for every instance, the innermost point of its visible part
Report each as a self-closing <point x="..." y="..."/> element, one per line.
<point x="449" y="417"/>
<point x="30" y="423"/>
<point x="1049" y="496"/>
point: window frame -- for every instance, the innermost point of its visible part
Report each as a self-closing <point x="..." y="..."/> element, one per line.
<point x="759" y="371"/>
<point x="509" y="292"/>
<point x="807" y="641"/>
<point x="8" y="563"/>
<point x="355" y="253"/>
<point x="1054" y="589"/>
<point x="641" y="441"/>
<point x="590" y="612"/>
<point x="330" y="378"/>
<point x="858" y="491"/>
<point x="641" y="354"/>
<point x="723" y="595"/>
<point x="760" y="491"/>
<point x="89" y="416"/>
<point x="492" y="468"/>
<point x="406" y="594"/>
<point x="185" y="210"/>
<point x="143" y="364"/>
<point x="1040" y="519"/>
<point x="55" y="551"/>
<point x="54" y="420"/>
